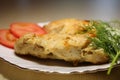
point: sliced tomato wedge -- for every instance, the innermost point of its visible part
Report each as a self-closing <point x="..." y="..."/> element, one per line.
<point x="7" y="38"/>
<point x="21" y="28"/>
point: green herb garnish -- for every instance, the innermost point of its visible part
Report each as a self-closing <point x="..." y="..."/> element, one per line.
<point x="108" y="38"/>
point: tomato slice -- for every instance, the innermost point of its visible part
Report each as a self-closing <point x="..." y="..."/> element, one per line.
<point x="21" y="28"/>
<point x="7" y="38"/>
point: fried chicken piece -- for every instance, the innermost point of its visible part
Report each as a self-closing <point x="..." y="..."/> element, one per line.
<point x="65" y="41"/>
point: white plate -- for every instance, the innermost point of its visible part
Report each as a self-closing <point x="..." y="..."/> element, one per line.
<point x="47" y="65"/>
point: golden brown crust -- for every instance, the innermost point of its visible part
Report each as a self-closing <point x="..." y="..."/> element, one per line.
<point x="65" y="41"/>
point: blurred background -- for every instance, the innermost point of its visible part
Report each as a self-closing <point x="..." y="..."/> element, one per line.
<point x="47" y="10"/>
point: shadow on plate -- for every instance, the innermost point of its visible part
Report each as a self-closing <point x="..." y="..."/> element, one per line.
<point x="52" y="62"/>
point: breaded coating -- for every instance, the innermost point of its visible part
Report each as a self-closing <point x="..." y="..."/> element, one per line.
<point x="68" y="43"/>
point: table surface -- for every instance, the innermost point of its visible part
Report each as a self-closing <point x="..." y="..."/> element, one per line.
<point x="44" y="10"/>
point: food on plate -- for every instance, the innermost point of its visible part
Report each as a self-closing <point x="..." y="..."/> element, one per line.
<point x="74" y="41"/>
<point x="21" y="28"/>
<point x="67" y="39"/>
<point x="71" y="40"/>
<point x="7" y="38"/>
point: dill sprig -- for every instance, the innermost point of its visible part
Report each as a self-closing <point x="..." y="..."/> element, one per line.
<point x="108" y="38"/>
